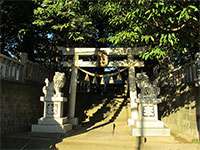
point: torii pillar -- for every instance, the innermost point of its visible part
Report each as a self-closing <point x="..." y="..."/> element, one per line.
<point x="132" y="90"/>
<point x="72" y="91"/>
<point x="133" y="97"/>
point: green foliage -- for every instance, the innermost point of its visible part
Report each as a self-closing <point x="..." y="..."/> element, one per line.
<point x="153" y="53"/>
<point x="64" y="17"/>
<point x="160" y="25"/>
<point x="168" y="28"/>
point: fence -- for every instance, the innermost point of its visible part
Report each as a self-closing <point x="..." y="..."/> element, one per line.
<point x="21" y="70"/>
<point x="188" y="73"/>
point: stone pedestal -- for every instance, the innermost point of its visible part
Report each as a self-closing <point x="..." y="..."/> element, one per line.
<point x="53" y="120"/>
<point x="148" y="123"/>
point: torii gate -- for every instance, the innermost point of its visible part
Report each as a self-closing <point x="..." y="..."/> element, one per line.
<point x="128" y="60"/>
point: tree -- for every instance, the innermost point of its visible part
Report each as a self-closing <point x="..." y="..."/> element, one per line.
<point x="14" y="16"/>
<point x="169" y="29"/>
<point x="65" y="20"/>
<point x="19" y="34"/>
<point x="165" y="27"/>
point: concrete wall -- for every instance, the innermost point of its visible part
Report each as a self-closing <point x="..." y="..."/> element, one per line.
<point x="181" y="113"/>
<point x="20" y="106"/>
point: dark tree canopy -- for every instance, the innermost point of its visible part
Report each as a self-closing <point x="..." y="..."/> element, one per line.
<point x="169" y="28"/>
<point x="14" y="16"/>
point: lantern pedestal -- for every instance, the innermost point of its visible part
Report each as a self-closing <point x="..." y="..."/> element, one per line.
<point x="52" y="120"/>
<point x="148" y="123"/>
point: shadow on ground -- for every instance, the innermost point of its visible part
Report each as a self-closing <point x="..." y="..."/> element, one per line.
<point x="182" y="98"/>
<point x="28" y="140"/>
<point x="108" y="109"/>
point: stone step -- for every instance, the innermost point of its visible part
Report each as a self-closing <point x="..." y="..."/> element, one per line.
<point x="150" y="132"/>
<point x="94" y="110"/>
<point x="149" y="124"/>
<point x="108" y="115"/>
<point x="51" y="128"/>
<point x="53" y="121"/>
<point x="170" y="146"/>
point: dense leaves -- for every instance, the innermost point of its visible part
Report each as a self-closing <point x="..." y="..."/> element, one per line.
<point x="163" y="26"/>
<point x="169" y="28"/>
<point x="166" y="27"/>
<point x="64" y="19"/>
<point x="14" y="16"/>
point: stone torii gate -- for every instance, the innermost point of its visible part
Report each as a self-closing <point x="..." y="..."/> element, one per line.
<point x="144" y="112"/>
<point x="125" y="59"/>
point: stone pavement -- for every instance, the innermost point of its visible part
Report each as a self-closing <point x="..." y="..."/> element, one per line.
<point x="100" y="136"/>
<point x="26" y="141"/>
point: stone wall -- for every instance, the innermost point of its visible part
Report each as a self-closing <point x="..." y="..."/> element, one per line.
<point x="20" y="106"/>
<point x="181" y="113"/>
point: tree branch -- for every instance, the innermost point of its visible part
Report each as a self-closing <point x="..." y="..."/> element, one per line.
<point x="171" y="29"/>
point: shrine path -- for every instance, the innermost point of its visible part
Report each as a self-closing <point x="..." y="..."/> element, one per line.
<point x="98" y="137"/>
<point x="102" y="138"/>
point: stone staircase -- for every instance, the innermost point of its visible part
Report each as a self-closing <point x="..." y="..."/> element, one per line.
<point x="101" y="133"/>
<point x="104" y="113"/>
<point x="101" y="136"/>
<point x="98" y="136"/>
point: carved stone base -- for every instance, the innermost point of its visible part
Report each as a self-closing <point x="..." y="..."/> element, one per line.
<point x="150" y="132"/>
<point x="149" y="124"/>
<point x="131" y="122"/>
<point x="51" y="128"/>
<point x="53" y="121"/>
<point x="52" y="125"/>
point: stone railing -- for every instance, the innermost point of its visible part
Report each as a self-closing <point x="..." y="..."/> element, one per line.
<point x="10" y="69"/>
<point x="21" y="70"/>
<point x="185" y="74"/>
<point x="188" y="73"/>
